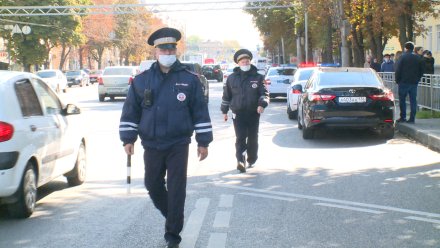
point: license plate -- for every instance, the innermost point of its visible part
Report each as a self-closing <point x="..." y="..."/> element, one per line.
<point x="114" y="90"/>
<point x="360" y="99"/>
<point x="285" y="81"/>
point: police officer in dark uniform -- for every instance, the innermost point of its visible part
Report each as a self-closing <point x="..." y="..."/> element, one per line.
<point x="246" y="95"/>
<point x="164" y="106"/>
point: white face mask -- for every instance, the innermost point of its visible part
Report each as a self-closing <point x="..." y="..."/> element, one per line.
<point x="167" y="60"/>
<point x="387" y="60"/>
<point x="245" y="67"/>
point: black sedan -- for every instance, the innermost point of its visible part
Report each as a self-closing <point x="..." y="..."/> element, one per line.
<point x="345" y="98"/>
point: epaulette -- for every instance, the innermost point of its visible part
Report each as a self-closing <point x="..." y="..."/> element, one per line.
<point x="192" y="72"/>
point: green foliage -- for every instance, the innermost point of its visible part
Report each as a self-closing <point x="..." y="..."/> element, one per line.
<point x="46" y="31"/>
<point x="427" y="114"/>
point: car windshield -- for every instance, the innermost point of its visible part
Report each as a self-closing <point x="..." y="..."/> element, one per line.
<point x="281" y="72"/>
<point x="118" y="71"/>
<point x="73" y="73"/>
<point x="348" y="78"/>
<point x="47" y="74"/>
<point x="304" y="74"/>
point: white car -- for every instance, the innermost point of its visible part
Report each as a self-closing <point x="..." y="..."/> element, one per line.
<point x="40" y="139"/>
<point x="115" y="81"/>
<point x="299" y="78"/>
<point x="278" y="79"/>
<point x="55" y="79"/>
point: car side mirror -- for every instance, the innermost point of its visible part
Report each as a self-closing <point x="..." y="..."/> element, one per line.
<point x="71" y="109"/>
<point x="297" y="88"/>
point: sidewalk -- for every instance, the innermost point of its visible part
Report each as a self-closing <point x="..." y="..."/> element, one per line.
<point x="425" y="131"/>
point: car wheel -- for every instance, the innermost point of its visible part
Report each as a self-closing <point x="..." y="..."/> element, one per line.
<point x="77" y="175"/>
<point x="308" y="133"/>
<point x="299" y="118"/>
<point x="387" y="133"/>
<point x="291" y="114"/>
<point x="101" y="98"/>
<point x="26" y="194"/>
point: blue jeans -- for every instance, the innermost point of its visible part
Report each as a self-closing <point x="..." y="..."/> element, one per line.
<point x="411" y="90"/>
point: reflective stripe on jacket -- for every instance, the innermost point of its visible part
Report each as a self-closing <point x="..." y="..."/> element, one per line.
<point x="178" y="109"/>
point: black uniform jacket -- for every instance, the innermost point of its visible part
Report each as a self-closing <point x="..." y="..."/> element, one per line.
<point x="244" y="92"/>
<point x="177" y="109"/>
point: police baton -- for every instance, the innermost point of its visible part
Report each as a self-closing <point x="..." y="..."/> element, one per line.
<point x="128" y="172"/>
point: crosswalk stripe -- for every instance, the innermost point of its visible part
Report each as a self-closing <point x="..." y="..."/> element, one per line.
<point x="192" y="228"/>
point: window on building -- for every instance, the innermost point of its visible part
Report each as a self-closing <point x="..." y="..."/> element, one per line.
<point x="429" y="41"/>
<point x="438" y="38"/>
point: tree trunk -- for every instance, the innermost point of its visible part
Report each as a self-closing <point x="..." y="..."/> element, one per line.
<point x="64" y="54"/>
<point x="126" y="57"/>
<point x="80" y="53"/>
<point x="358" y="47"/>
<point x="327" y="49"/>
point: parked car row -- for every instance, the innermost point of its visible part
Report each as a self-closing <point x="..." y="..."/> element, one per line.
<point x="60" y="81"/>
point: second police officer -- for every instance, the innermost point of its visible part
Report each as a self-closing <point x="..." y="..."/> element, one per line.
<point x="245" y="94"/>
<point x="164" y="106"/>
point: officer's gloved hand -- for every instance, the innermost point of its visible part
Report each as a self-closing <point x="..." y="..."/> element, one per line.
<point x="260" y="110"/>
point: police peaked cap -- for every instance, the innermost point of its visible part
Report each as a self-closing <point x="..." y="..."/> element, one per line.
<point x="242" y="53"/>
<point x="165" y="38"/>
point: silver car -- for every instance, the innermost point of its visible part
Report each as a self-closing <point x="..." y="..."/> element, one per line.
<point x="278" y="79"/>
<point x="41" y="138"/>
<point x="55" y="79"/>
<point x="299" y="78"/>
<point x="115" y="81"/>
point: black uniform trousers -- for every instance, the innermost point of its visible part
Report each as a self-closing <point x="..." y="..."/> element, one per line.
<point x="246" y="126"/>
<point x="168" y="197"/>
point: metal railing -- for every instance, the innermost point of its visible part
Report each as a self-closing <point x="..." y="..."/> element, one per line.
<point x="428" y="91"/>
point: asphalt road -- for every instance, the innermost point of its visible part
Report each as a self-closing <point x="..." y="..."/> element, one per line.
<point x="344" y="189"/>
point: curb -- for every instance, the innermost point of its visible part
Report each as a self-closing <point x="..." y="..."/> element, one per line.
<point x="426" y="137"/>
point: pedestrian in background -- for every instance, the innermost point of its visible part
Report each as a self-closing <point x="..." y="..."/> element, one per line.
<point x="396" y="58"/>
<point x="409" y="71"/>
<point x="375" y="65"/>
<point x="418" y="50"/>
<point x="245" y="94"/>
<point x="164" y="106"/>
<point x="429" y="62"/>
<point x="392" y="57"/>
<point x="368" y="62"/>
<point x="387" y="64"/>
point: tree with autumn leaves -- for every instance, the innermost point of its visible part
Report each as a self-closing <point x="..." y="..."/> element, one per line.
<point x="89" y="35"/>
<point x="371" y="24"/>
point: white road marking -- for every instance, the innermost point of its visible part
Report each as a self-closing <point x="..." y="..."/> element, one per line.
<point x="349" y="208"/>
<point x="222" y="219"/>
<point x="269" y="196"/>
<point x="423" y="219"/>
<point x="192" y="228"/>
<point x="324" y="199"/>
<point x="226" y="201"/>
<point x="217" y="240"/>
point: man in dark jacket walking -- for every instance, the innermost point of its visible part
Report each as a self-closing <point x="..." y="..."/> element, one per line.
<point x="164" y="106"/>
<point x="246" y="95"/>
<point x="409" y="71"/>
